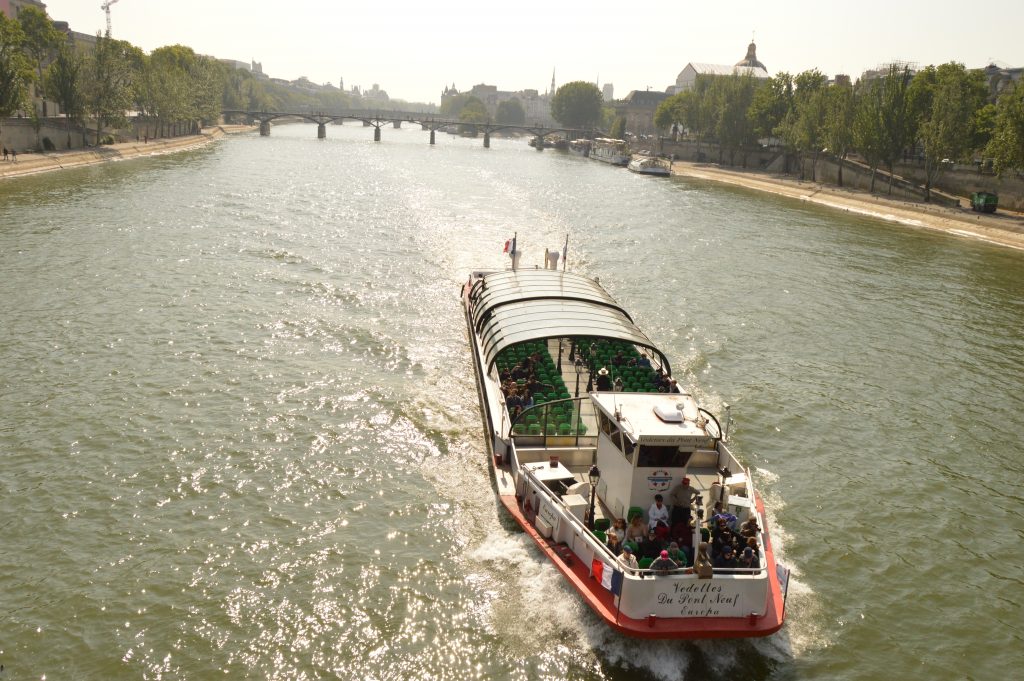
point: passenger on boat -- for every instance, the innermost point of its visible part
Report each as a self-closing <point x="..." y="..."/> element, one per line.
<point x="627" y="559"/>
<point x="651" y="546"/>
<point x="644" y="362"/>
<point x="618" y="528"/>
<point x="750" y="527"/>
<point x="748" y="559"/>
<point x="535" y="386"/>
<point x="678" y="555"/>
<point x="673" y="387"/>
<point x="636" y="530"/>
<point x="658" y="514"/>
<point x="662" y="565"/>
<point x="614" y="544"/>
<point x="726" y="559"/>
<point x="723" y="538"/>
<point x="702" y="565"/>
<point x="617" y="385"/>
<point x="618" y="360"/>
<point x="604" y="383"/>
<point x="683" y="497"/>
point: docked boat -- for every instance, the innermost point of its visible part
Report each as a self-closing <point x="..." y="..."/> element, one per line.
<point x="571" y="456"/>
<point x="650" y="165"/>
<point x="609" y="150"/>
<point x="580" y="147"/>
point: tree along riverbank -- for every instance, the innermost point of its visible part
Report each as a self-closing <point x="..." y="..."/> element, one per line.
<point x="1004" y="228"/>
<point x="33" y="163"/>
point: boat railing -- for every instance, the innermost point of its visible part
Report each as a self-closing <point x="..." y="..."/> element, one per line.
<point x="536" y="487"/>
<point x="559" y="423"/>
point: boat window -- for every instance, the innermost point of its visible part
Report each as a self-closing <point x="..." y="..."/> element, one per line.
<point x="621" y="440"/>
<point x="663" y="456"/>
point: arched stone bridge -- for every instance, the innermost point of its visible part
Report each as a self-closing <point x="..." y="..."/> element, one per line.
<point x="378" y="119"/>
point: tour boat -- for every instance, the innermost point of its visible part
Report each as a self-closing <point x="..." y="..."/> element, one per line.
<point x="609" y="150"/>
<point x="580" y="147"/>
<point x="650" y="165"/>
<point x="578" y="456"/>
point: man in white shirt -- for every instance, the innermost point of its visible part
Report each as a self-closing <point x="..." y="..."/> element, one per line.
<point x="657" y="513"/>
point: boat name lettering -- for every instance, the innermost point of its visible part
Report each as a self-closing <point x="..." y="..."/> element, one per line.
<point x="698" y="600"/>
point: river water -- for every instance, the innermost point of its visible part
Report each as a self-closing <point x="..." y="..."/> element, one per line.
<point x="239" y="435"/>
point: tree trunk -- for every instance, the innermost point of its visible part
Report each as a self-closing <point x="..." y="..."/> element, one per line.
<point x="892" y="176"/>
<point x="840" y="160"/>
<point x="874" y="170"/>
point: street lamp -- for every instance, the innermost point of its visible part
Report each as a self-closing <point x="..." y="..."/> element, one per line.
<point x="595" y="476"/>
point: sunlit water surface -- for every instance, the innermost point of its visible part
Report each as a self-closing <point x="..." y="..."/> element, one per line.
<point x="239" y="435"/>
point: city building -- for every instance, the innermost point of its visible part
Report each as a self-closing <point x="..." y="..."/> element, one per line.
<point x="536" y="106"/>
<point x="749" y="65"/>
<point x="607" y="92"/>
<point x="638" y="109"/>
<point x="11" y="7"/>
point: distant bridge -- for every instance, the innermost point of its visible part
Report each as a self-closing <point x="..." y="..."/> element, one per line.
<point x="378" y="119"/>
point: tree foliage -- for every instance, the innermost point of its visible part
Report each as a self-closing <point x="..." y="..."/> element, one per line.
<point x="510" y="112"/>
<point x="41" y="40"/>
<point x="111" y="74"/>
<point x="577" y="105"/>
<point x="474" y="111"/>
<point x="1006" y="147"/>
<point x="15" y="70"/>
<point x="946" y="100"/>
<point x="64" y="86"/>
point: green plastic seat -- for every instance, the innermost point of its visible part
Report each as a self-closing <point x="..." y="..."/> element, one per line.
<point x="519" y="429"/>
<point x="602" y="524"/>
<point x="601" y="535"/>
<point x="551" y="429"/>
<point x="533" y="429"/>
<point x="564" y="428"/>
<point x="645" y="563"/>
<point x="633" y="512"/>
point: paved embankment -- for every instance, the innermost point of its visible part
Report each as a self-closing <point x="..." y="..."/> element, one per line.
<point x="30" y="164"/>
<point x="1003" y="228"/>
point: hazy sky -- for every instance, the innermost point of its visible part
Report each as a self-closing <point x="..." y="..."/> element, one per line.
<point x="414" y="49"/>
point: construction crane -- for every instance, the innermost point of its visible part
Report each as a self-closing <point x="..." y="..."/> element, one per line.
<point x="106" y="8"/>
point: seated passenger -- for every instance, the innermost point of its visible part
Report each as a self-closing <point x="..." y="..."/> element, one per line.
<point x="617" y="385"/>
<point x="673" y="387"/>
<point x="637" y="531"/>
<point x="614" y="544"/>
<point x="535" y="386"/>
<point x="658" y="514"/>
<point x="726" y="559"/>
<point x="618" y="360"/>
<point x="662" y="565"/>
<point x="651" y="546"/>
<point x="750" y="528"/>
<point x="644" y="362"/>
<point x="627" y="559"/>
<point x="748" y="559"/>
<point x="677" y="555"/>
<point x="618" y="528"/>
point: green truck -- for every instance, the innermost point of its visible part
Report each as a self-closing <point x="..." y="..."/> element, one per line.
<point x="984" y="202"/>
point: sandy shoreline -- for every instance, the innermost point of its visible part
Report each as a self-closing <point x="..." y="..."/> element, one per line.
<point x="1001" y="228"/>
<point x="34" y="163"/>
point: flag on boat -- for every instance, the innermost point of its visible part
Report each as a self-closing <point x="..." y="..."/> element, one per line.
<point x="508" y="245"/>
<point x="782" y="572"/>
<point x="609" y="577"/>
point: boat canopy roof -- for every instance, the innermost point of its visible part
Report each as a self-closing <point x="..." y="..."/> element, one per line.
<point x="516" y="306"/>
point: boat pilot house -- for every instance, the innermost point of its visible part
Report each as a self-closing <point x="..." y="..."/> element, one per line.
<point x="625" y="483"/>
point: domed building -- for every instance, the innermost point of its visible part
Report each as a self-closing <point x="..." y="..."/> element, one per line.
<point x="751" y="59"/>
<point x="749" y="65"/>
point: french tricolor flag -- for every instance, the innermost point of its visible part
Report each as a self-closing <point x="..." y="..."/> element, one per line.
<point x="609" y="577"/>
